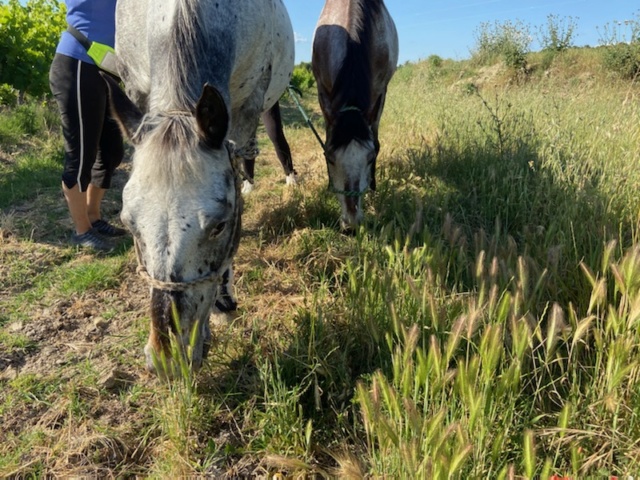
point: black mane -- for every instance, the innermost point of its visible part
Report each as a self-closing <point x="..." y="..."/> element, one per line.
<point x="349" y="125"/>
<point x="352" y="88"/>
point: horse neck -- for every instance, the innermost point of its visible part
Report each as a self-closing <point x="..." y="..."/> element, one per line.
<point x="353" y="83"/>
<point x="188" y="54"/>
<point x="348" y="14"/>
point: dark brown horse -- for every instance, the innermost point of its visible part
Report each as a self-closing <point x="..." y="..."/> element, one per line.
<point x="355" y="53"/>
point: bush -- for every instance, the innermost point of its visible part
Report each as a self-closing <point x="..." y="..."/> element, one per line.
<point x="302" y="77"/>
<point x="514" y="57"/>
<point x="558" y="34"/>
<point x="27" y="120"/>
<point x="8" y="95"/>
<point x="435" y="61"/>
<point x="28" y="37"/>
<point x="622" y="59"/>
<point x="621" y="53"/>
<point x="508" y="41"/>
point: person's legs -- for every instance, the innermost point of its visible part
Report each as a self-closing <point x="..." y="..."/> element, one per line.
<point x="86" y="235"/>
<point x="82" y="114"/>
<point x="77" y="203"/>
<point x="94" y="201"/>
<point x="109" y="157"/>
<point x="95" y="195"/>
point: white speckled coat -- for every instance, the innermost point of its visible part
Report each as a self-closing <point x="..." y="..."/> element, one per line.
<point x="197" y="73"/>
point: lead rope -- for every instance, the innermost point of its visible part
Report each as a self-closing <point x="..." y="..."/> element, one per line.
<point x="293" y="93"/>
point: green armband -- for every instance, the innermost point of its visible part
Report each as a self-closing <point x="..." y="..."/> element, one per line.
<point x="104" y="56"/>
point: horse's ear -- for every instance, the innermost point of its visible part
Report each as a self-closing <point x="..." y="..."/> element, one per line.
<point x="212" y="117"/>
<point x="123" y="110"/>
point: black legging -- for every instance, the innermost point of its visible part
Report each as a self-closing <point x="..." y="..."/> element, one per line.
<point x="92" y="140"/>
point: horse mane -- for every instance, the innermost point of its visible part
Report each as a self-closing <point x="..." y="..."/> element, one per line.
<point x="184" y="50"/>
<point x="352" y="87"/>
<point x="195" y="57"/>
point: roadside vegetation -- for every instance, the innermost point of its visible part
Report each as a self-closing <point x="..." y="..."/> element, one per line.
<point x="483" y="323"/>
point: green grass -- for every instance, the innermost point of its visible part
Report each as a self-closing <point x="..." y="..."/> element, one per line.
<point x="483" y="322"/>
<point x="30" y="176"/>
<point x="91" y="276"/>
<point x="29" y="130"/>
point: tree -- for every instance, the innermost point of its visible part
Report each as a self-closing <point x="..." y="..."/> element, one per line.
<point x="28" y="38"/>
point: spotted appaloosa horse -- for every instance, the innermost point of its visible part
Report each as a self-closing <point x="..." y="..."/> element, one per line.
<point x="355" y="53"/>
<point x="202" y="72"/>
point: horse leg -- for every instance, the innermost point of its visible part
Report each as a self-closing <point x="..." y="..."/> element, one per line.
<point x="226" y="301"/>
<point x="248" y="154"/>
<point x="272" y="120"/>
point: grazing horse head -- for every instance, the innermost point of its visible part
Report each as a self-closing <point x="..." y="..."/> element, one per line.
<point x="186" y="228"/>
<point x="351" y="158"/>
<point x="202" y="73"/>
<point x="355" y="52"/>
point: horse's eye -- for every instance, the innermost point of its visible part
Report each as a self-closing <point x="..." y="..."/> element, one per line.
<point x="217" y="230"/>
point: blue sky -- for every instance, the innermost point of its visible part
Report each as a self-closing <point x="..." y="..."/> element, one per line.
<point x="446" y="27"/>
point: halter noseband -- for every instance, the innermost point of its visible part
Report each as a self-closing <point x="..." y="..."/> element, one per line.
<point x="350" y="108"/>
<point x="212" y="277"/>
<point x="347" y="193"/>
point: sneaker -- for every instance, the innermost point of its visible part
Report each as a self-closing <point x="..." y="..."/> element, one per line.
<point x="105" y="228"/>
<point x="93" y="240"/>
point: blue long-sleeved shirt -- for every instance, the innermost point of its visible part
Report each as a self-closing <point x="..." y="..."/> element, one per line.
<point x="95" y="19"/>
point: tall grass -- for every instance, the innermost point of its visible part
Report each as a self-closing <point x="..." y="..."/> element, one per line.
<point x="513" y="344"/>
